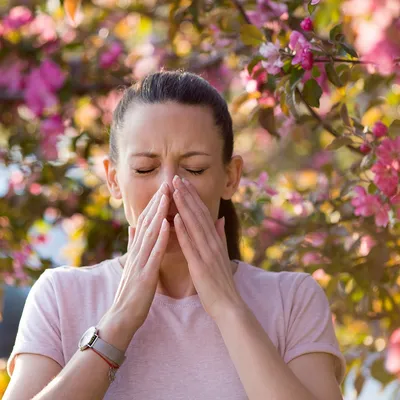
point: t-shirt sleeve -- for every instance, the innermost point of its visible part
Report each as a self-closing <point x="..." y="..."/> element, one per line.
<point x="309" y="323"/>
<point x="39" y="326"/>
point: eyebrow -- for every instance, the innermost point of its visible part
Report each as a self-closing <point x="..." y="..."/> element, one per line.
<point x="154" y="155"/>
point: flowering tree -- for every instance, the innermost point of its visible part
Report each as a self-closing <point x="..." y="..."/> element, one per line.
<point x="314" y="91"/>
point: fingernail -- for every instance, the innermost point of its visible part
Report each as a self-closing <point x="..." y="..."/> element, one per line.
<point x="185" y="181"/>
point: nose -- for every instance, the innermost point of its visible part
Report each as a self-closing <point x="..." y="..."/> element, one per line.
<point x="168" y="177"/>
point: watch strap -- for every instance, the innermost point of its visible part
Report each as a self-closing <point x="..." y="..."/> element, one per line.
<point x="112" y="353"/>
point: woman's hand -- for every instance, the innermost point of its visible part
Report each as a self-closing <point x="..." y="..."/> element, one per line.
<point x="146" y="249"/>
<point x="203" y="244"/>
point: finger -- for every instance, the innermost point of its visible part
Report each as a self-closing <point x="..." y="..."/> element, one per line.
<point x="198" y="207"/>
<point x="151" y="234"/>
<point x="131" y="236"/>
<point x="188" y="249"/>
<point x="199" y="204"/>
<point x="156" y="198"/>
<point x="147" y="216"/>
<point x="193" y="220"/>
<point x="220" y="228"/>
<point x="158" y="251"/>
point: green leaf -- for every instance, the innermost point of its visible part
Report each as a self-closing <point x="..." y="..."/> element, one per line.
<point x="344" y="114"/>
<point x="359" y="382"/>
<point x="311" y="8"/>
<point x="266" y="117"/>
<point x="372" y="188"/>
<point x="295" y="76"/>
<point x="394" y="128"/>
<point x="332" y="75"/>
<point x="290" y="100"/>
<point x="315" y="72"/>
<point x="251" y="35"/>
<point x="312" y="92"/>
<point x="339" y="142"/>
<point x="378" y="372"/>
<point x="253" y="63"/>
<point x="335" y="32"/>
<point x="349" y="49"/>
<point x="367" y="161"/>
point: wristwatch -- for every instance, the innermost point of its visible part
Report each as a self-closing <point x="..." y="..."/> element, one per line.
<point x="91" y="339"/>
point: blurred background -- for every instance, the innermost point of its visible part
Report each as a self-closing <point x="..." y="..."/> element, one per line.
<point x="313" y="88"/>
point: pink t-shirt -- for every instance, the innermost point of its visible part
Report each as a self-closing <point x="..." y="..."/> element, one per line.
<point x="178" y="353"/>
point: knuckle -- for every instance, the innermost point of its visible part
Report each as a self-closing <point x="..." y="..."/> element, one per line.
<point x="146" y="221"/>
<point x="149" y="233"/>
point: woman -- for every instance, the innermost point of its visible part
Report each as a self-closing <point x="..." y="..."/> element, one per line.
<point x="179" y="313"/>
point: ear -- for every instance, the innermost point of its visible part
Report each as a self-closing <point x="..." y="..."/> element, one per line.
<point x="112" y="179"/>
<point x="233" y="175"/>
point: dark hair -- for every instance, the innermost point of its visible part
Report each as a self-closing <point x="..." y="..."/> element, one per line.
<point x="184" y="88"/>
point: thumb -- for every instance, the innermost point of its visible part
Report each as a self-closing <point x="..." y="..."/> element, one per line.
<point x="131" y="233"/>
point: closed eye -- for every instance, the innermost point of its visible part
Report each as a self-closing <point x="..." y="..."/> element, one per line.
<point x="199" y="172"/>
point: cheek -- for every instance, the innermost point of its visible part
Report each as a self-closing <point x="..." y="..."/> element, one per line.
<point x="210" y="195"/>
<point x="136" y="200"/>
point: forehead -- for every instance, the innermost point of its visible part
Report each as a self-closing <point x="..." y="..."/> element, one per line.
<point x="169" y="126"/>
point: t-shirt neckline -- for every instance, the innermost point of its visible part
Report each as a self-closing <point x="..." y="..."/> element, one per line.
<point x="193" y="300"/>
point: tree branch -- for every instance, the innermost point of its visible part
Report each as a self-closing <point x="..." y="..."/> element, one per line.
<point x="327" y="126"/>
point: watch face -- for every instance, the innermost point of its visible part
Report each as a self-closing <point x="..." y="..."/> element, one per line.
<point x="86" y="338"/>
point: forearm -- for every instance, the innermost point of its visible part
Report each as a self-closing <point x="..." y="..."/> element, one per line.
<point x="261" y="369"/>
<point x="86" y="375"/>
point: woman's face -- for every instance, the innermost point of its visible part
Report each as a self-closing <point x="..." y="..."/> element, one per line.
<point x="159" y="141"/>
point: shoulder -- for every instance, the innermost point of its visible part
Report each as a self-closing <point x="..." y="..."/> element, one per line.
<point x="66" y="273"/>
<point x="286" y="289"/>
<point x="284" y="281"/>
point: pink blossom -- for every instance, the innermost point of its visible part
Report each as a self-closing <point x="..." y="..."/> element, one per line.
<point x="273" y="62"/>
<point x="298" y="43"/>
<point x="51" y="129"/>
<point x="314" y="257"/>
<point x="44" y="27"/>
<point x="321" y="276"/>
<point x="379" y="129"/>
<point x="314" y="2"/>
<point x="38" y="95"/>
<point x="262" y="184"/>
<point x="11" y="75"/>
<point x="41" y="85"/>
<point x="107" y="104"/>
<point x="364" y="148"/>
<point x="395" y="199"/>
<point x="367" y="205"/>
<point x="386" y="178"/>
<point x="322" y="79"/>
<point x="316" y="239"/>
<point x="307" y="24"/>
<point x="254" y="81"/>
<point x="321" y="158"/>
<point x="35" y="189"/>
<point x="267" y="10"/>
<point x="307" y="60"/>
<point x="366" y="244"/>
<point x="388" y="152"/>
<point x="275" y="228"/>
<point x="392" y="362"/>
<point x="109" y="57"/>
<point x="17" y="17"/>
<point x="219" y="76"/>
<point x="382" y="215"/>
<point x="52" y="74"/>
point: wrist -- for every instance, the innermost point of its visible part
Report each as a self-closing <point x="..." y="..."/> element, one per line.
<point x="115" y="330"/>
<point x="237" y="311"/>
